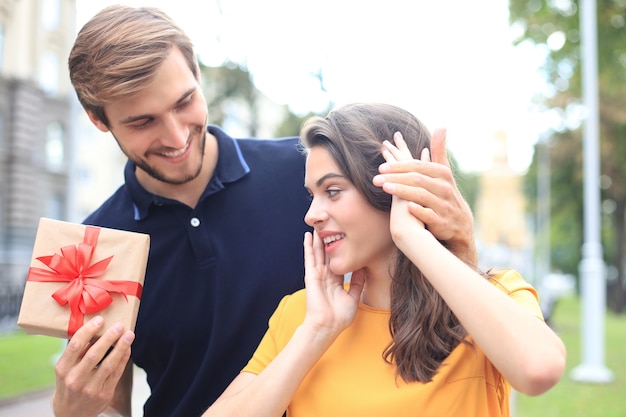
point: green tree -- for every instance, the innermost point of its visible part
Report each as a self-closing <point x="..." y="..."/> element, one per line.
<point x="467" y="182"/>
<point x="292" y="123"/>
<point x="230" y="86"/>
<point x="554" y="24"/>
<point x="565" y="159"/>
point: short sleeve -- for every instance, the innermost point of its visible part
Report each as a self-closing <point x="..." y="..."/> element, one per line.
<point x="282" y="324"/>
<point x="513" y="284"/>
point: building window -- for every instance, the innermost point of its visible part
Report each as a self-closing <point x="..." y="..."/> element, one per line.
<point x="54" y="207"/>
<point x="55" y="150"/>
<point x="2" y="134"/>
<point x="1" y="45"/>
<point x="50" y="14"/>
<point x="2" y="231"/>
<point x="49" y="72"/>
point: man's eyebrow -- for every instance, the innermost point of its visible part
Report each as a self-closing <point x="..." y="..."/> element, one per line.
<point x="132" y="119"/>
<point x="186" y="94"/>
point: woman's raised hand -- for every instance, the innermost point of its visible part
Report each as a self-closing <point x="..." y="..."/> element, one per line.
<point x="402" y="221"/>
<point x="331" y="305"/>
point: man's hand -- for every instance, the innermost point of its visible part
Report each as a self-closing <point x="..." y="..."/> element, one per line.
<point x="87" y="374"/>
<point x="439" y="203"/>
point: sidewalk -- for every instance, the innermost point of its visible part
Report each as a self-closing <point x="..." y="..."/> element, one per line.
<point x="38" y="404"/>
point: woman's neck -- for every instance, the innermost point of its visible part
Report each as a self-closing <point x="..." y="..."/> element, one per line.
<point x="376" y="292"/>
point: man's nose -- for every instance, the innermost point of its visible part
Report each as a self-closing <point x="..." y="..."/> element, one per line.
<point x="175" y="132"/>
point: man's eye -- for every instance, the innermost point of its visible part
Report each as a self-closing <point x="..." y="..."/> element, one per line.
<point x="142" y="125"/>
<point x="185" y="102"/>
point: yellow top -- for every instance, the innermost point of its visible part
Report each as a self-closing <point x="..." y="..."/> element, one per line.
<point x="352" y="378"/>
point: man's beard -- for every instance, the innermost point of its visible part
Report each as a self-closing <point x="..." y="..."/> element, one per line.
<point x="160" y="176"/>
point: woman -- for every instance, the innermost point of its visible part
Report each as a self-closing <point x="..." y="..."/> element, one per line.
<point x="415" y="331"/>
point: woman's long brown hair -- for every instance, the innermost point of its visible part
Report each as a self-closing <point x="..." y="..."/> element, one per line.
<point x="423" y="328"/>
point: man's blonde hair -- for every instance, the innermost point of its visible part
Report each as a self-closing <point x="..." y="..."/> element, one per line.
<point x="117" y="53"/>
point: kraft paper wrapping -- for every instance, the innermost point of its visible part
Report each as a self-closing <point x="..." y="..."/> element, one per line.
<point x="41" y="314"/>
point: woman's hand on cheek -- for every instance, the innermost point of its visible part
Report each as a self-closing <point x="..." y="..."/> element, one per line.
<point x="330" y="307"/>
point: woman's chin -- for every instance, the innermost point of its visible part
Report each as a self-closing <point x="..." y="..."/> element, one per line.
<point x="339" y="269"/>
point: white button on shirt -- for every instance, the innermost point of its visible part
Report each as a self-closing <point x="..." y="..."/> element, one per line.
<point x="195" y="222"/>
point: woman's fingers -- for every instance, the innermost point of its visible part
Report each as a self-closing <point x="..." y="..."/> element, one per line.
<point x="309" y="258"/>
<point x="398" y="152"/>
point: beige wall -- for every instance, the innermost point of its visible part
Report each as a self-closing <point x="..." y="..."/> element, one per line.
<point x="37" y="39"/>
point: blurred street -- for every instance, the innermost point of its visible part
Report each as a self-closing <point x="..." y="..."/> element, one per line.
<point x="38" y="404"/>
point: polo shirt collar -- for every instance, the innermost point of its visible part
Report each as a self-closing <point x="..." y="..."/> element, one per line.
<point x="231" y="166"/>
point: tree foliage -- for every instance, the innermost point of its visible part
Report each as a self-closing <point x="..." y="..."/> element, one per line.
<point x="292" y="123"/>
<point x="228" y="84"/>
<point x="466" y="182"/>
<point x="230" y="88"/>
<point x="554" y="24"/>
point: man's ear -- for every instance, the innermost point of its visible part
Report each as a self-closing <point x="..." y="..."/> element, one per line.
<point x="97" y="122"/>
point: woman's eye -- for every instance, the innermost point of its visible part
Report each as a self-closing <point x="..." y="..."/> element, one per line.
<point x="332" y="193"/>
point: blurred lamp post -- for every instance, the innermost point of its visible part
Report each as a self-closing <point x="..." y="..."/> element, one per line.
<point x="592" y="270"/>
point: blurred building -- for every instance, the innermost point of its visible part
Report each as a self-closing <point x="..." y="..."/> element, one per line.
<point x="502" y="226"/>
<point x="35" y="112"/>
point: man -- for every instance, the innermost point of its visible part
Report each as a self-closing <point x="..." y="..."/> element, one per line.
<point x="225" y="218"/>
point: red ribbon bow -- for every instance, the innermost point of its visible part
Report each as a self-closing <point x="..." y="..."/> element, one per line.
<point x="84" y="292"/>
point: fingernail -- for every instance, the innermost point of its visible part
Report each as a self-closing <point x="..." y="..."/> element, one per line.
<point x="389" y="187"/>
<point x="128" y="337"/>
<point x="97" y="321"/>
<point x="118" y="328"/>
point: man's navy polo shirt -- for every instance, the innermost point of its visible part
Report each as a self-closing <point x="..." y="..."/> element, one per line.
<point x="215" y="273"/>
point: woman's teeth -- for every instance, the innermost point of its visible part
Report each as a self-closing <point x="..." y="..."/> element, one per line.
<point x="330" y="239"/>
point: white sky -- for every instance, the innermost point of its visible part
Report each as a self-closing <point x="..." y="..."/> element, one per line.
<point x="451" y="63"/>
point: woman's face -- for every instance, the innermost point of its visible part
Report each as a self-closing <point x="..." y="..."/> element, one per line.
<point x="355" y="234"/>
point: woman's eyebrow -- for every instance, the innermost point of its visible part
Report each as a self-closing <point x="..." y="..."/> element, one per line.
<point x="328" y="176"/>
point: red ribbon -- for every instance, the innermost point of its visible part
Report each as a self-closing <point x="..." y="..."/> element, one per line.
<point x="84" y="292"/>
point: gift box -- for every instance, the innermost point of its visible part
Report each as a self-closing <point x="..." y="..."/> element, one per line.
<point x="78" y="272"/>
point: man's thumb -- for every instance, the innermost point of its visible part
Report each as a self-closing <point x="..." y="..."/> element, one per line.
<point x="438" y="147"/>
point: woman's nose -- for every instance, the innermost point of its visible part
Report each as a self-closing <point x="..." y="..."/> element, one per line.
<point x="315" y="214"/>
